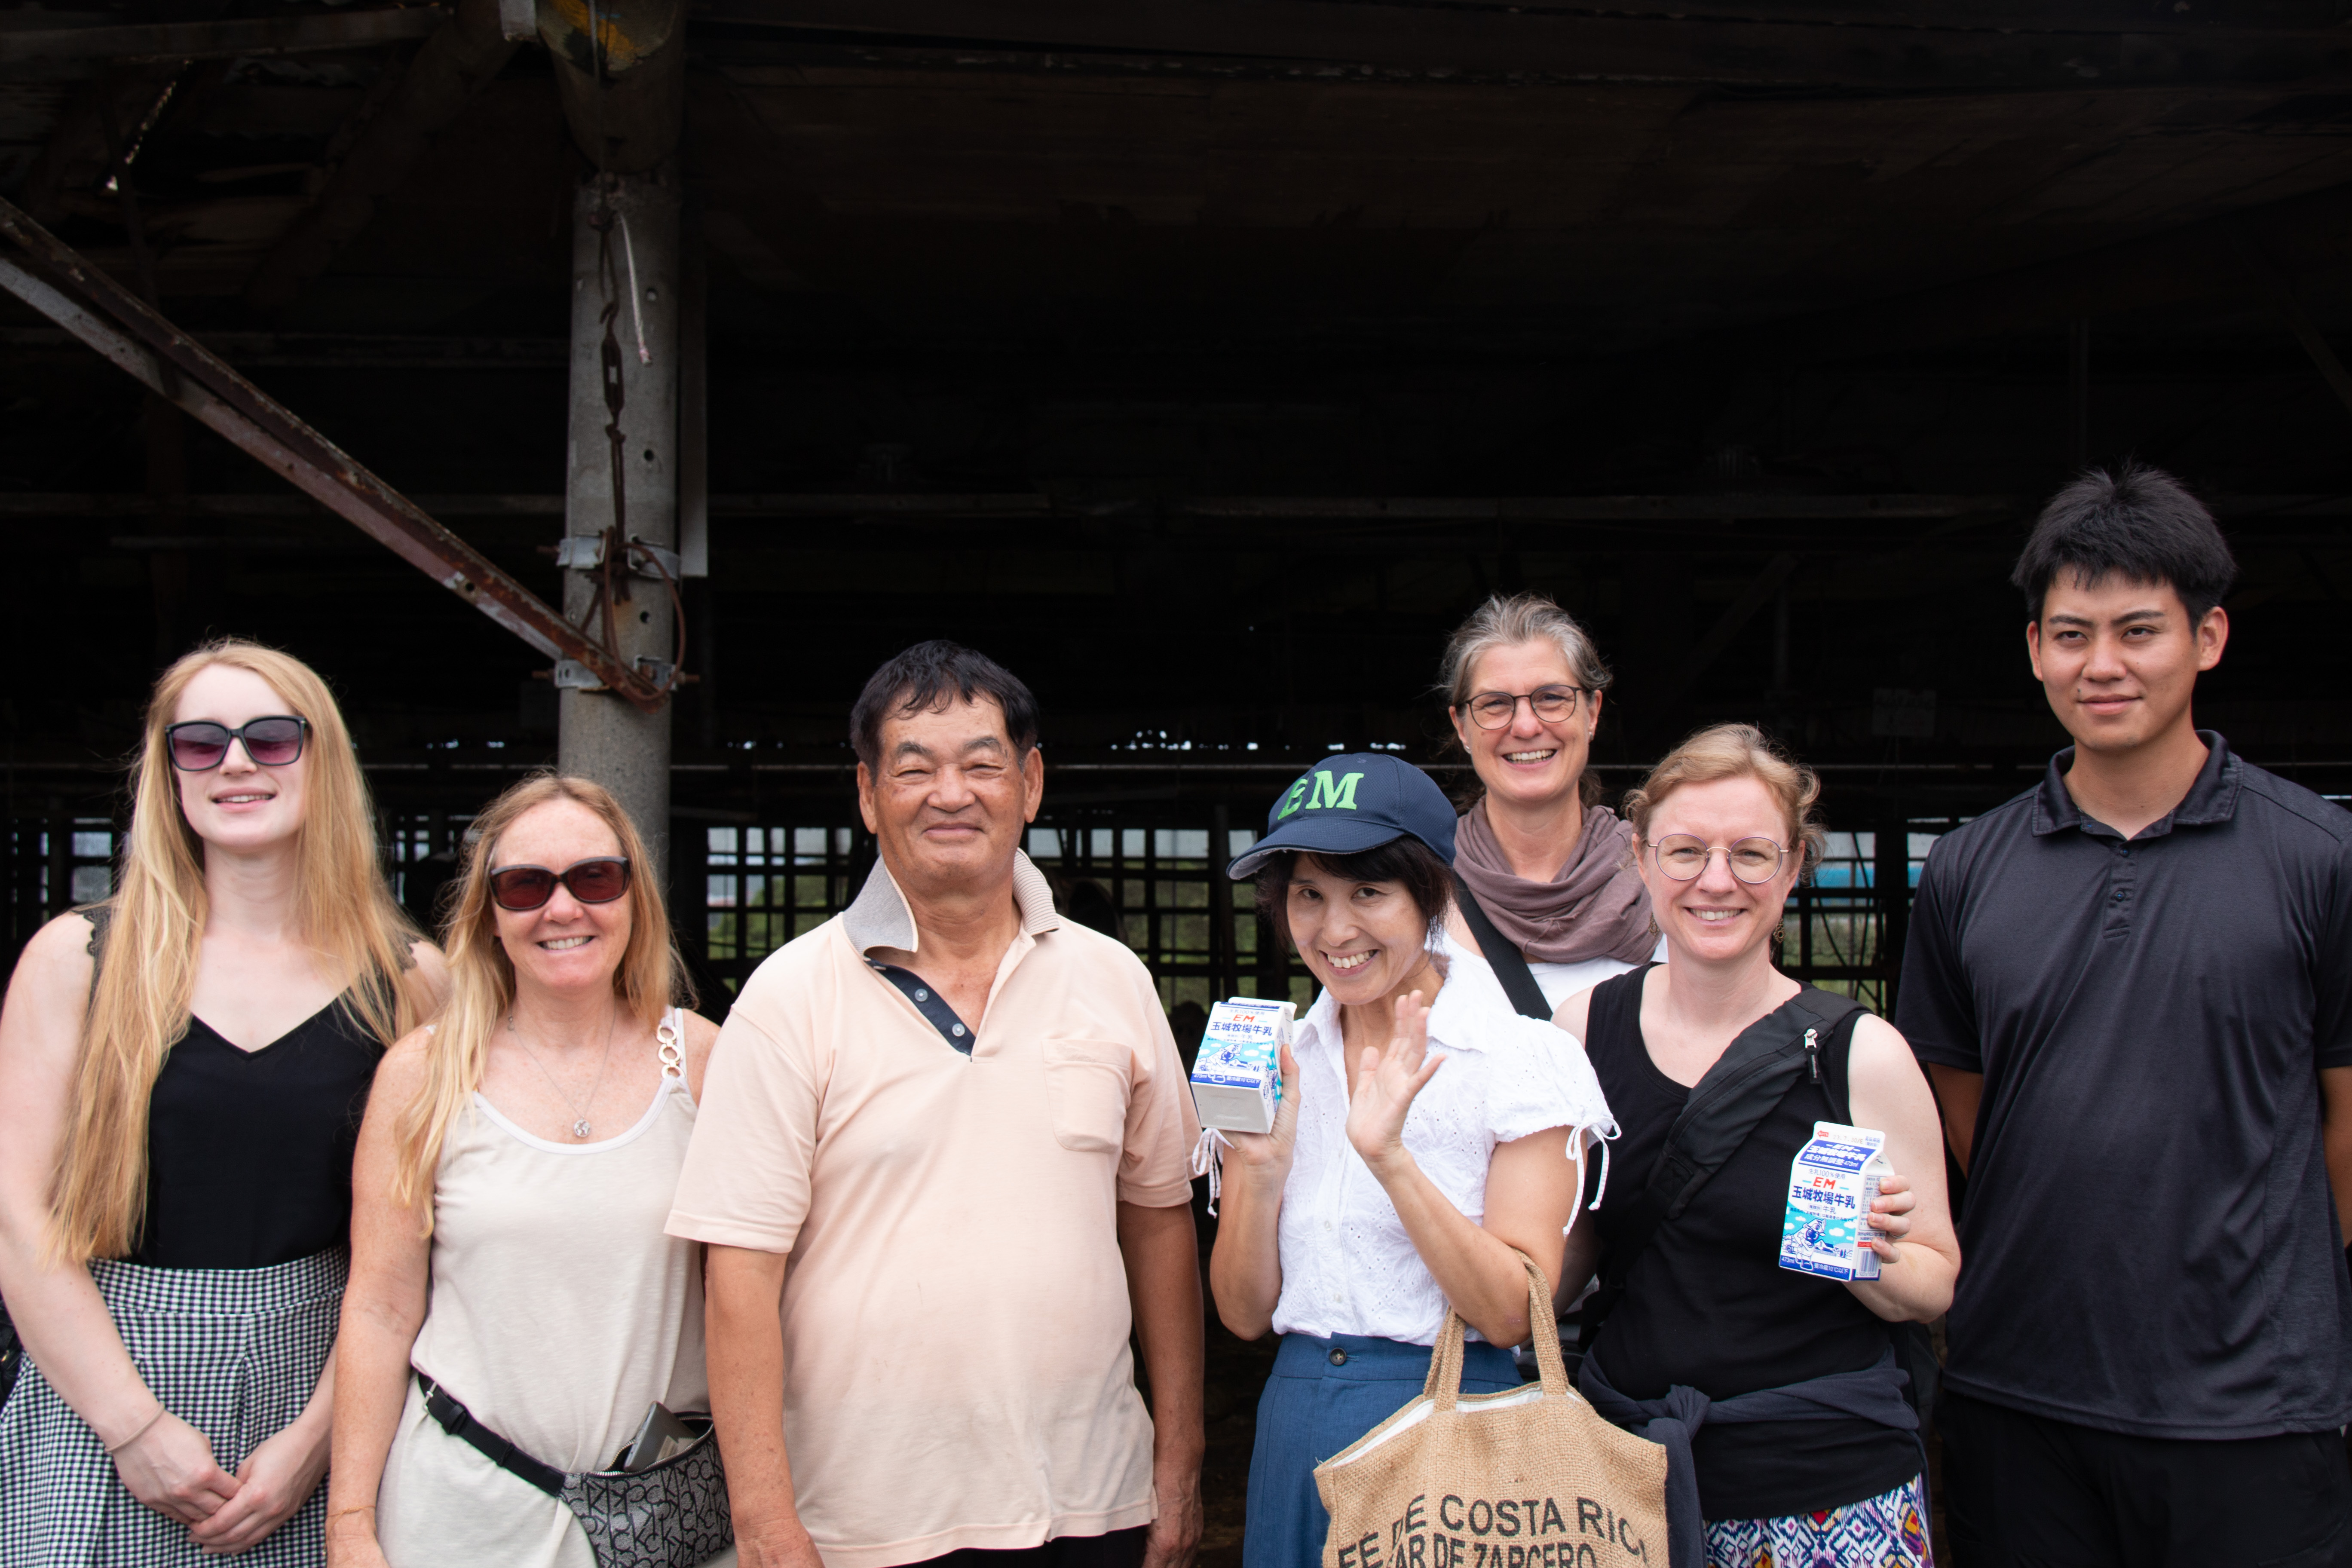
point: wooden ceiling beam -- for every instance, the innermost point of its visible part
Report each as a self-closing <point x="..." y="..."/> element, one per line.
<point x="222" y="39"/>
<point x="2197" y="261"/>
<point x="1417" y="34"/>
<point x="462" y="55"/>
<point x="80" y="145"/>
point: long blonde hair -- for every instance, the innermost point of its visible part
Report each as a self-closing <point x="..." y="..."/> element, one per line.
<point x="482" y="977"/>
<point x="139" y="1007"/>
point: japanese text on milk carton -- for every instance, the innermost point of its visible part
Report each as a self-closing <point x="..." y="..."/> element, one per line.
<point x="1237" y="1077"/>
<point x="1832" y="1182"/>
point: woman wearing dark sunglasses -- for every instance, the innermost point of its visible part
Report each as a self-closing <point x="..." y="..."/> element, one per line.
<point x="181" y="1071"/>
<point x="513" y="1183"/>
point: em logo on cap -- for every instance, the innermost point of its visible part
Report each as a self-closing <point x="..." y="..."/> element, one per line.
<point x="1352" y="803"/>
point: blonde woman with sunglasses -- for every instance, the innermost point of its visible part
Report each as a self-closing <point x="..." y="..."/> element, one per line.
<point x="512" y="1288"/>
<point x="183" y="1069"/>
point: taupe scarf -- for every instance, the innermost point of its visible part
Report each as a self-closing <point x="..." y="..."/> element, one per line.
<point x="1596" y="906"/>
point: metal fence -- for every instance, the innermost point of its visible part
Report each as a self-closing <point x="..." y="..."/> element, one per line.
<point x="55" y="863"/>
<point x="1147" y="875"/>
<point x="1155" y="884"/>
<point x="1156" y="887"/>
<point x="1840" y="931"/>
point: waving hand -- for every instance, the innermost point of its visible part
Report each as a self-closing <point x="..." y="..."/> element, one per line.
<point x="1386" y="1082"/>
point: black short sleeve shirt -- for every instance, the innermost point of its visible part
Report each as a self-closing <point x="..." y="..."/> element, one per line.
<point x="2148" y="1243"/>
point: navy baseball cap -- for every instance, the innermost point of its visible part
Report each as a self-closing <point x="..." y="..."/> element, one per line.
<point x="1351" y="804"/>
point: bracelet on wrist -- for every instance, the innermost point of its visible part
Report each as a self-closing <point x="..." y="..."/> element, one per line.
<point x="117" y="1447"/>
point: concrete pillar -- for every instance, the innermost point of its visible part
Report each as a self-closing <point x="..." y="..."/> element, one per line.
<point x="600" y="735"/>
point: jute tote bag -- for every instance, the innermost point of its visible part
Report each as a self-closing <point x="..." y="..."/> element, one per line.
<point x="1532" y="1477"/>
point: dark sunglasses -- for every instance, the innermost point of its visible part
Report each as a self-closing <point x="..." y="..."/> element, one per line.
<point x="201" y="745"/>
<point x="522" y="889"/>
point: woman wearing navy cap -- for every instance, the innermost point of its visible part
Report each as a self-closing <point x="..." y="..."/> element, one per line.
<point x="1423" y="1142"/>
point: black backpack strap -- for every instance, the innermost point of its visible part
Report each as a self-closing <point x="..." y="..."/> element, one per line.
<point x="1752" y="1076"/>
<point x="1915" y="1343"/>
<point x="1511" y="965"/>
<point x="1741" y="1088"/>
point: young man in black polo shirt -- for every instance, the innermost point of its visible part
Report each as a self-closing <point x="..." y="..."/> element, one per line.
<point x="2132" y="988"/>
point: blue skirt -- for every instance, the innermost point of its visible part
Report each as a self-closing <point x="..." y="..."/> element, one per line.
<point x="1323" y="1395"/>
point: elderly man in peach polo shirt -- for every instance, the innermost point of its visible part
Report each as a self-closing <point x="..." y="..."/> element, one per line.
<point x="941" y="1166"/>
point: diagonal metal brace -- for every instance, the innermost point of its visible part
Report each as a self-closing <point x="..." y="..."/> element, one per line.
<point x="123" y="328"/>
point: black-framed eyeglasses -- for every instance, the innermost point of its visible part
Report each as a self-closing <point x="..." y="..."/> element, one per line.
<point x="522" y="889"/>
<point x="201" y="745"/>
<point x="1493" y="709"/>
<point x="1684" y="858"/>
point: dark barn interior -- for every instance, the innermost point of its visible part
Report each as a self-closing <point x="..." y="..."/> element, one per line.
<point x="1205" y="360"/>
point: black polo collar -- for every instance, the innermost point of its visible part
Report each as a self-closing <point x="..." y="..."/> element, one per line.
<point x="2212" y="798"/>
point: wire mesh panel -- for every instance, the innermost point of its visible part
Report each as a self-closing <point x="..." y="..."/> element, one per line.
<point x="423" y="851"/>
<point x="763" y="885"/>
<point x="1834" y="934"/>
<point x="56" y="863"/>
<point x="1158" y="885"/>
<point x="1160" y="889"/>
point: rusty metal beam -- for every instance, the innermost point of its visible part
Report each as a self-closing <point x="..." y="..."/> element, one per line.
<point x="222" y="40"/>
<point x="121" y="327"/>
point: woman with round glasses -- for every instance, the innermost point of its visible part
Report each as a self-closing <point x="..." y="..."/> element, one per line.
<point x="509" y="1261"/>
<point x="1544" y="861"/>
<point x="1724" y="827"/>
<point x="182" y="1072"/>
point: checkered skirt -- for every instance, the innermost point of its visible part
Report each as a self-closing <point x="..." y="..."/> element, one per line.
<point x="234" y="1352"/>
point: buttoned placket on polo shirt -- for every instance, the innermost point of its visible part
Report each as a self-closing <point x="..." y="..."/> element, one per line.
<point x="879" y="918"/>
<point x="2123" y="886"/>
<point x="929" y="1004"/>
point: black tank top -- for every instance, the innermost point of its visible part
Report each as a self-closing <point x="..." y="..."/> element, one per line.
<point x="249" y="1153"/>
<point x="1708" y="1305"/>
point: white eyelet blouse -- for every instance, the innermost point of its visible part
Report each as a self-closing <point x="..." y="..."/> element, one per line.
<point x="1347" y="1265"/>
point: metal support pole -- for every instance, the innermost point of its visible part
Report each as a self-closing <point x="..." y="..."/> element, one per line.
<point x="1890" y="875"/>
<point x="624" y="252"/>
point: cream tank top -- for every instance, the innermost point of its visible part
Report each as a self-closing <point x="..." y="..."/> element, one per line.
<point x="559" y="1312"/>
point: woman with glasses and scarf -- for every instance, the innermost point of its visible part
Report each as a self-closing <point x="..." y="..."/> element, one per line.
<point x="1553" y="893"/>
<point x="182" y="1072"/>
<point x="509" y="1261"/>
<point x="1825" y="1465"/>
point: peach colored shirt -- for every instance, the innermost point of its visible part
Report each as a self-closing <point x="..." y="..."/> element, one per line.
<point x="955" y="1310"/>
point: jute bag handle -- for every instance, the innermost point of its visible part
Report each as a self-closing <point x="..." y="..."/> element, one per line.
<point x="1444" y="1387"/>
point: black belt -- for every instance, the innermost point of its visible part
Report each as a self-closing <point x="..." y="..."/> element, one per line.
<point x="459" y="1422"/>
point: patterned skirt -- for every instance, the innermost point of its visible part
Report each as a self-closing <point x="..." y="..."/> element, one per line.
<point x="1889" y="1531"/>
<point x="234" y="1352"/>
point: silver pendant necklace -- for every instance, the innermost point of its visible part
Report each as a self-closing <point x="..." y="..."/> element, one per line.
<point x="580" y="1126"/>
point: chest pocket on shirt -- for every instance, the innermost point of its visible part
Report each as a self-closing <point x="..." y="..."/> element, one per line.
<point x="1086" y="1087"/>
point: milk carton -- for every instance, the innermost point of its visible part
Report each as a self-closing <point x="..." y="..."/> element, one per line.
<point x="1237" y="1077"/>
<point x="1832" y="1182"/>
